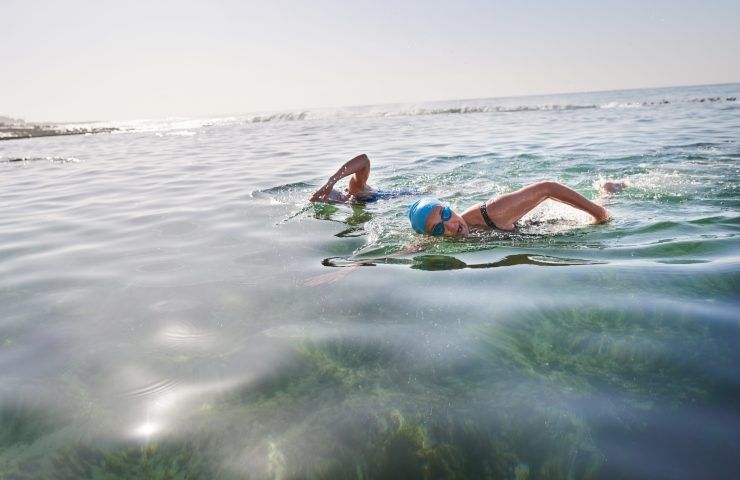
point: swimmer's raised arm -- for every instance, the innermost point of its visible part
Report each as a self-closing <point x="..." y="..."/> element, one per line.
<point x="359" y="167"/>
<point x="507" y="209"/>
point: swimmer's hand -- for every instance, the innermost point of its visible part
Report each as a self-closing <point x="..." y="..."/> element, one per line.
<point x="608" y="189"/>
<point x="603" y="216"/>
<point x="322" y="194"/>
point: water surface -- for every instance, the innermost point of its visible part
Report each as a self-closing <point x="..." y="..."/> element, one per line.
<point x="173" y="305"/>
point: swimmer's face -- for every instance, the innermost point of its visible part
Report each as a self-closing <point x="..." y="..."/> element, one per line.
<point x="452" y="225"/>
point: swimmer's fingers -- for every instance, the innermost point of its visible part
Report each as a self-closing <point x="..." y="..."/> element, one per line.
<point x="319" y="195"/>
<point x="322" y="193"/>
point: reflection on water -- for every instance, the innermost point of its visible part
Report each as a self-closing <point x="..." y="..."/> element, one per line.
<point x="356" y="219"/>
<point x="447" y="262"/>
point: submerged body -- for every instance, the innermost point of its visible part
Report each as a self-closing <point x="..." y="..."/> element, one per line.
<point x="370" y="195"/>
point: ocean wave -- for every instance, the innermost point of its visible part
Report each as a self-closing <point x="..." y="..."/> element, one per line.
<point x="279" y="117"/>
<point x="485" y="109"/>
<point x="622" y="105"/>
<point x="460" y="107"/>
<point x="410" y="112"/>
<point x="400" y="110"/>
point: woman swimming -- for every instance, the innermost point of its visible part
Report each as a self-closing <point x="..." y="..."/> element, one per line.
<point x="429" y="216"/>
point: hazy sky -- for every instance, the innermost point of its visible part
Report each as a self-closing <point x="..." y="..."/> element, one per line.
<point x="74" y="60"/>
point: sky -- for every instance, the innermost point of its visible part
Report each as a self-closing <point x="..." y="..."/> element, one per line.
<point x="83" y="60"/>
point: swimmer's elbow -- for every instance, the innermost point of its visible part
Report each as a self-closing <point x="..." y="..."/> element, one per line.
<point x="364" y="164"/>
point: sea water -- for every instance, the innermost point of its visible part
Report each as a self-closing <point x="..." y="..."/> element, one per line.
<point x="172" y="306"/>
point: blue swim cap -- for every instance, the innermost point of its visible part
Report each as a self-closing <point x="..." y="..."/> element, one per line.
<point x="419" y="211"/>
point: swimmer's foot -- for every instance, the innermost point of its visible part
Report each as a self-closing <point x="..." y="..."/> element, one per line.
<point x="611" y="188"/>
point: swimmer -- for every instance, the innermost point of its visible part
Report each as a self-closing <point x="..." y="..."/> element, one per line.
<point x="430" y="216"/>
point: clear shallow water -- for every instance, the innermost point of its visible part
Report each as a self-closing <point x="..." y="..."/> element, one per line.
<point x="172" y="305"/>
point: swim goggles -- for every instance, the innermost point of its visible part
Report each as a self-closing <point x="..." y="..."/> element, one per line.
<point x="439" y="229"/>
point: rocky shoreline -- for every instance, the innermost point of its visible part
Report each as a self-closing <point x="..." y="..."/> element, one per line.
<point x="12" y="131"/>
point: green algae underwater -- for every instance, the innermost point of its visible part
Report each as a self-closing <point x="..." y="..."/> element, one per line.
<point x="193" y="316"/>
<point x="516" y="402"/>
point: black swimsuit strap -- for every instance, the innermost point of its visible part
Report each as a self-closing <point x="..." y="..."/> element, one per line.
<point x="484" y="212"/>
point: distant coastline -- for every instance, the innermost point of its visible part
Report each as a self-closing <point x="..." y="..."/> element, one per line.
<point x="14" y="128"/>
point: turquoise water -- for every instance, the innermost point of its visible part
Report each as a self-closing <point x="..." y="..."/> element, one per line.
<point x="173" y="307"/>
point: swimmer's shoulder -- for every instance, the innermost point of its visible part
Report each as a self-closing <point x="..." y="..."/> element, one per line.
<point x="473" y="217"/>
